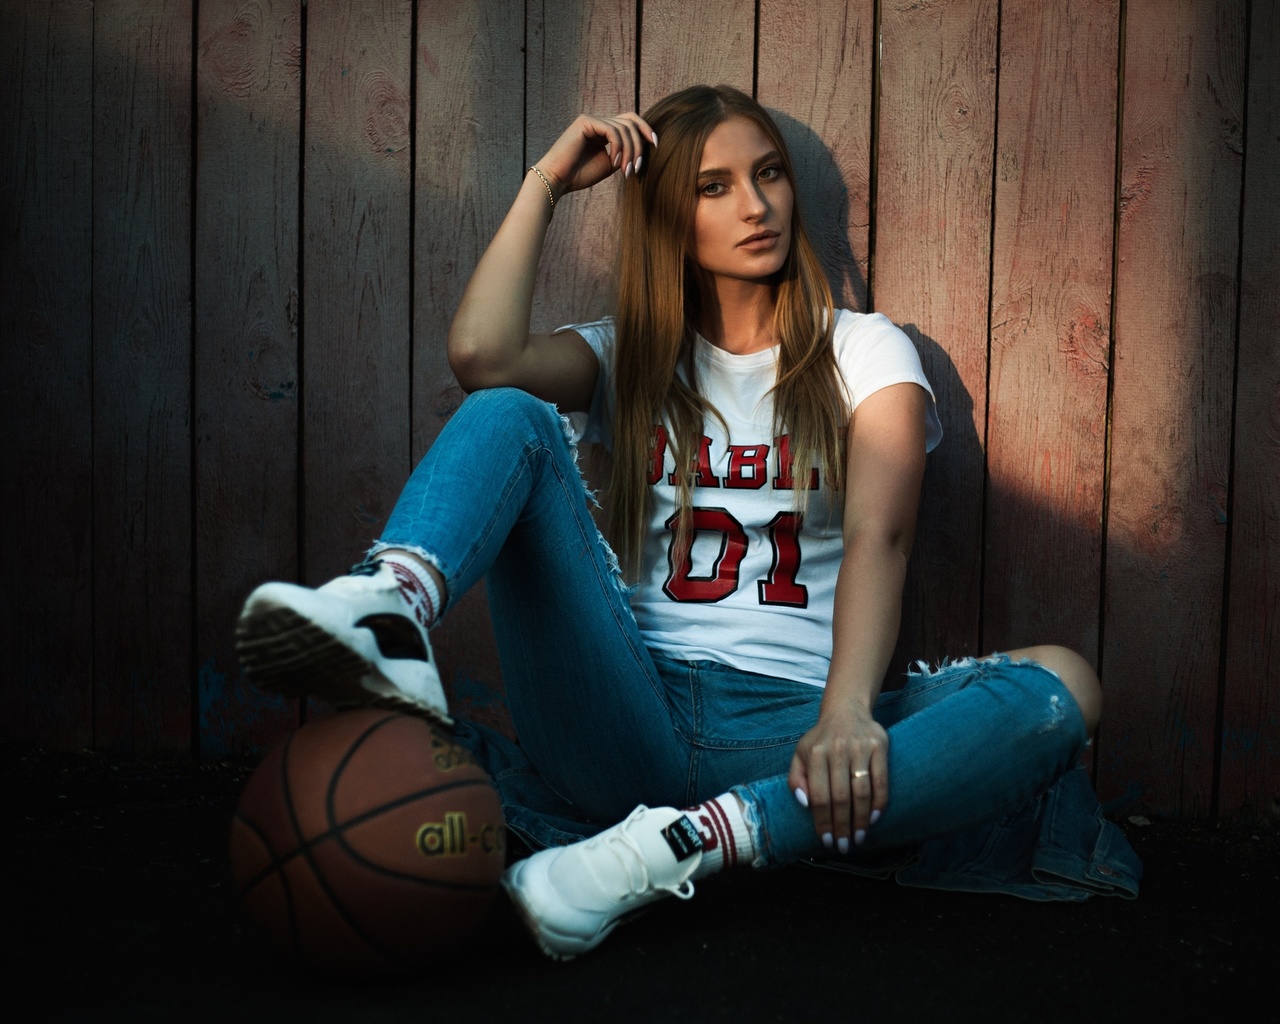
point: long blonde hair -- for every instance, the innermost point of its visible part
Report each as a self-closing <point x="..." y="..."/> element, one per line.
<point x="658" y="314"/>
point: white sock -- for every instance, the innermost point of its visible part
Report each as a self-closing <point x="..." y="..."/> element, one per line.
<point x="726" y="837"/>
<point x="417" y="587"/>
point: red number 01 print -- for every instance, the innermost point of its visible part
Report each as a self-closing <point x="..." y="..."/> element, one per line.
<point x="780" y="587"/>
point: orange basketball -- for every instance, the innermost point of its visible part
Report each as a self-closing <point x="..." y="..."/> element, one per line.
<point x="368" y="843"/>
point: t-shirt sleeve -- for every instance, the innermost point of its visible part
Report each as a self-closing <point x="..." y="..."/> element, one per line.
<point x="875" y="353"/>
<point x="597" y="426"/>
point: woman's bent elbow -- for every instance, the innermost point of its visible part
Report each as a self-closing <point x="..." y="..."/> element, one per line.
<point x="471" y="365"/>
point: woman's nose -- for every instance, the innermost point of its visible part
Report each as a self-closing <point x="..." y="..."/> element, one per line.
<point x="753" y="202"/>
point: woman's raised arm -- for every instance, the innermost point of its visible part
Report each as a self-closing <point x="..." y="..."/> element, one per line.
<point x="489" y="341"/>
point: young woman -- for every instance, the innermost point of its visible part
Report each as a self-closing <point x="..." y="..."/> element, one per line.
<point x="767" y="458"/>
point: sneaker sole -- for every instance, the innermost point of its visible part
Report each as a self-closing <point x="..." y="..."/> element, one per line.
<point x="570" y="945"/>
<point x="284" y="652"/>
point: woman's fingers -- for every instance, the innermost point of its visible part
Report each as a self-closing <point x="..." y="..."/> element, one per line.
<point x="594" y="147"/>
<point x="819" y="793"/>
<point x="840" y="797"/>
<point x="842" y="768"/>
<point x="861" y="785"/>
<point x="879" y="782"/>
<point x="627" y="141"/>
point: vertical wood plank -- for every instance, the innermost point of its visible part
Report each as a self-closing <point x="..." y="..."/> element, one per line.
<point x="142" y="375"/>
<point x="46" y="521"/>
<point x="246" y="398"/>
<point x="706" y="43"/>
<point x="931" y="275"/>
<point x="1174" y="330"/>
<point x="1250" y="778"/>
<point x="356" y="274"/>
<point x="470" y="161"/>
<point x="823" y="106"/>
<point x="1050" y="323"/>
<point x="582" y="57"/>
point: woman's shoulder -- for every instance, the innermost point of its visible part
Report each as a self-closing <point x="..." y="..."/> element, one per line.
<point x="853" y="327"/>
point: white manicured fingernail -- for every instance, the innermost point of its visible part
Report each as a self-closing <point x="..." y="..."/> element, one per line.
<point x="859" y="836"/>
<point x="827" y="840"/>
<point x="626" y="171"/>
<point x="875" y="816"/>
<point x="654" y="136"/>
<point x="842" y="844"/>
<point x="802" y="798"/>
<point x="638" y="159"/>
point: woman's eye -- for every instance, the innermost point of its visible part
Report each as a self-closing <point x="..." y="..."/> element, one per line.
<point x="711" y="188"/>
<point x="770" y="172"/>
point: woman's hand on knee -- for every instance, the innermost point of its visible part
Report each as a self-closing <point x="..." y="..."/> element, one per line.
<point x="593" y="147"/>
<point x="841" y="769"/>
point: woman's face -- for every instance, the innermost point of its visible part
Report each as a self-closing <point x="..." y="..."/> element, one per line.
<point x="742" y="223"/>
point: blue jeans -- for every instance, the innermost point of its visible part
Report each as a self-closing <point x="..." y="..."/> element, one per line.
<point x="606" y="725"/>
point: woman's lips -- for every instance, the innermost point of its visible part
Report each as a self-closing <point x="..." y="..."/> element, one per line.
<point x="760" y="241"/>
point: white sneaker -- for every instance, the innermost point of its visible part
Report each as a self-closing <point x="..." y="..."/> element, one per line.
<point x="572" y="897"/>
<point x="352" y="641"/>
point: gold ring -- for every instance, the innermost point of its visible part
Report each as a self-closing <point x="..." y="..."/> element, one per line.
<point x="862" y="773"/>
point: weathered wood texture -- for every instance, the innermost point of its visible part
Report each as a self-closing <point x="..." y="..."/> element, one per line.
<point x="46" y="515"/>
<point x="142" y="543"/>
<point x="249" y="110"/>
<point x="581" y="58"/>
<point x="931" y="274"/>
<point x="356" y="278"/>
<point x="686" y="44"/>
<point x="1176" y="292"/>
<point x="1250" y="739"/>
<point x="823" y="106"/>
<point x="1050" y="324"/>
<point x="204" y="389"/>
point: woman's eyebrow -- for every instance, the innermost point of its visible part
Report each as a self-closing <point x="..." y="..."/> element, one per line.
<point x="720" y="172"/>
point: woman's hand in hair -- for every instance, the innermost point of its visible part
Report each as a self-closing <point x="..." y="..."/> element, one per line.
<point x="841" y="766"/>
<point x="592" y="148"/>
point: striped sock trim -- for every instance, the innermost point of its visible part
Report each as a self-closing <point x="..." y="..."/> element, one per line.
<point x="726" y="840"/>
<point x="417" y="588"/>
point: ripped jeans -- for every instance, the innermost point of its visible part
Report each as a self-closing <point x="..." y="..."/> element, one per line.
<point x="605" y="725"/>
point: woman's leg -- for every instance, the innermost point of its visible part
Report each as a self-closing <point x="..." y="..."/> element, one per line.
<point x="966" y="744"/>
<point x="499" y="495"/>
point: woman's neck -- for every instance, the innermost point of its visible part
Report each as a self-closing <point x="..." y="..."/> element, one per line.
<point x="737" y="316"/>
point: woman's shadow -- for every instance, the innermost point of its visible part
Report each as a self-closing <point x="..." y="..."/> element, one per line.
<point x="942" y="596"/>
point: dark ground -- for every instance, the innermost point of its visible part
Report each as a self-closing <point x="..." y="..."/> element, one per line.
<point x="119" y="897"/>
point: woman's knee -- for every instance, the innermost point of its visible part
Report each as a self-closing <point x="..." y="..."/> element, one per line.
<point x="509" y="414"/>
<point x="1077" y="676"/>
<point x="511" y="402"/>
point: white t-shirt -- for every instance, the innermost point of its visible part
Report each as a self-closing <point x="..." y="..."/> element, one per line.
<point x="755" y="593"/>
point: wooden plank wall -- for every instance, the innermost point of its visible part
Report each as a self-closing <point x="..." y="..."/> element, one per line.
<point x="237" y="231"/>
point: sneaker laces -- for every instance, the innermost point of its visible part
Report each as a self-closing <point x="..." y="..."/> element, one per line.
<point x="636" y="867"/>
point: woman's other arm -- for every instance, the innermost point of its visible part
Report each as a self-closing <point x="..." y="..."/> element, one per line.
<point x="886" y="456"/>
<point x="489" y="341"/>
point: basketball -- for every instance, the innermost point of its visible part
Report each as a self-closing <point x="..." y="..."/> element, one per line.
<point x="367" y="844"/>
